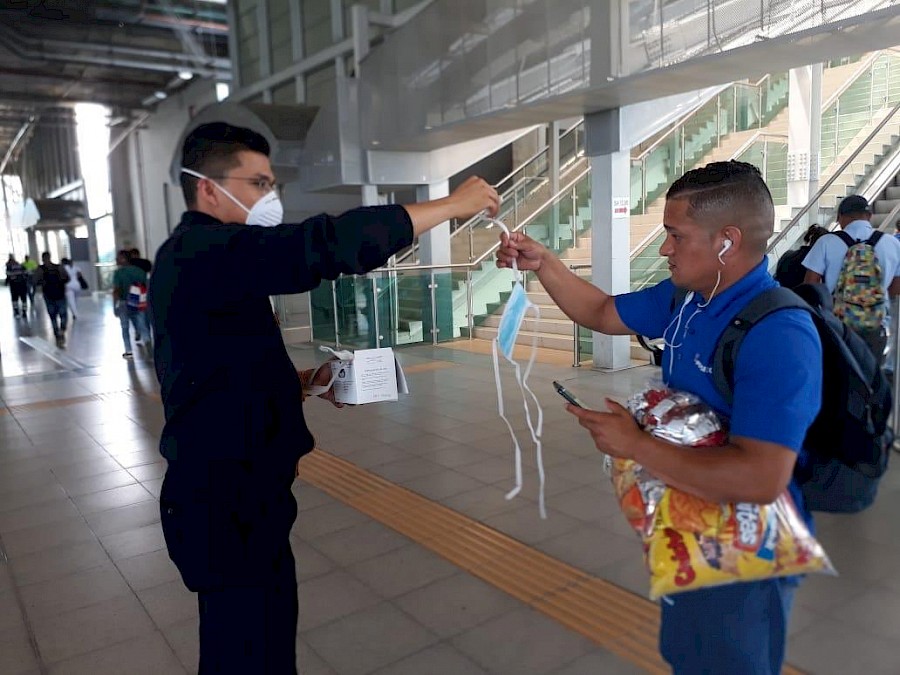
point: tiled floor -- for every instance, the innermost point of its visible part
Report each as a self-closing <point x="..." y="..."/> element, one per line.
<point x="86" y="585"/>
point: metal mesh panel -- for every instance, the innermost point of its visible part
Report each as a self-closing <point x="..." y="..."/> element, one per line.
<point x="671" y="32"/>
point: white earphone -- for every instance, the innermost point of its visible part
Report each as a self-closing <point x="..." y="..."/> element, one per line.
<point x="727" y="244"/>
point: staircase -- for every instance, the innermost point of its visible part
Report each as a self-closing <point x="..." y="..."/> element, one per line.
<point x="555" y="331"/>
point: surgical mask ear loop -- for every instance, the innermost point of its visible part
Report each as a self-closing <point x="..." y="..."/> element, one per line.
<point x="536" y="431"/>
<point x="195" y="174"/>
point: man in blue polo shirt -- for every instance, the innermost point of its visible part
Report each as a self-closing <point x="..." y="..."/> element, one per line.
<point x="718" y="220"/>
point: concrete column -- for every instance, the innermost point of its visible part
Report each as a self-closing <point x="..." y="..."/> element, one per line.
<point x="370" y="195"/>
<point x="804" y="129"/>
<point x="434" y="245"/>
<point x="815" y="134"/>
<point x="434" y="249"/>
<point x="610" y="209"/>
<point x="33" y="245"/>
<point x="553" y="130"/>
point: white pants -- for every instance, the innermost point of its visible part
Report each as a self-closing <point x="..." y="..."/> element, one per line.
<point x="70" y="300"/>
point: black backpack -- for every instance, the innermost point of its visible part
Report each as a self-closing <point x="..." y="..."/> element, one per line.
<point x="790" y="271"/>
<point x="849" y="442"/>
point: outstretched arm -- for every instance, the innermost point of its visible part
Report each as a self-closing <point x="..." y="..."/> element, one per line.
<point x="473" y="196"/>
<point x="581" y="301"/>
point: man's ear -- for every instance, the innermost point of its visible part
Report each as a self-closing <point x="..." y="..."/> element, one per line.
<point x="735" y="235"/>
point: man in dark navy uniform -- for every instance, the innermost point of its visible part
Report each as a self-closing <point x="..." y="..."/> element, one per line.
<point x="234" y="422"/>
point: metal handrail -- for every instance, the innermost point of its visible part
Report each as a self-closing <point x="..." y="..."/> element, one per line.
<point x="576" y="338"/>
<point x="755" y="137"/>
<point x="684" y="118"/>
<point x="822" y="190"/>
<point x="677" y="124"/>
<point x="866" y="65"/>
<point x="540" y="152"/>
<point x="471" y="221"/>
<point x="539" y="210"/>
<point x="655" y="232"/>
<point x="515" y="186"/>
<point x="890" y="219"/>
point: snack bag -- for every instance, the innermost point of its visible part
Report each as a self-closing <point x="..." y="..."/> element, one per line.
<point x="690" y="543"/>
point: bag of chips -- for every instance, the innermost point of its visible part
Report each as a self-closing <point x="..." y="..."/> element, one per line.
<point x="690" y="543"/>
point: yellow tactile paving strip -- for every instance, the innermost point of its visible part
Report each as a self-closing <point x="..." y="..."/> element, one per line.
<point x="612" y="617"/>
<point x="426" y="367"/>
<point x="61" y="402"/>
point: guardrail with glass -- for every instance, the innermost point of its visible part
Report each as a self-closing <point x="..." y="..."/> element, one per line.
<point x="741" y="106"/>
<point x="408" y="304"/>
<point x="519" y="191"/>
<point x="766" y="151"/>
<point x="784" y="240"/>
<point x="847" y="112"/>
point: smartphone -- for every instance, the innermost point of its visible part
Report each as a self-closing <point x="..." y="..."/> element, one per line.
<point x="566" y="394"/>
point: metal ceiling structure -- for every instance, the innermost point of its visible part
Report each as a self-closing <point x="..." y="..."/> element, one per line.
<point x="126" y="54"/>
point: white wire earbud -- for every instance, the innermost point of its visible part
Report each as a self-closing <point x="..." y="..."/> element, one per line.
<point x="727" y="244"/>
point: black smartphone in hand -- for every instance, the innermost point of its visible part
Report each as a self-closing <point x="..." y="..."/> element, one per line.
<point x="566" y="394"/>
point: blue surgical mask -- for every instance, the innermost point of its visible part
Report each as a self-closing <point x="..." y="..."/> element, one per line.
<point x="511" y="320"/>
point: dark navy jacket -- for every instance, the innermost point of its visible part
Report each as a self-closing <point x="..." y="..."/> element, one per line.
<point x="234" y="423"/>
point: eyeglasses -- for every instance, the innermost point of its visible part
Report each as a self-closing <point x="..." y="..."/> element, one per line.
<point x="262" y="184"/>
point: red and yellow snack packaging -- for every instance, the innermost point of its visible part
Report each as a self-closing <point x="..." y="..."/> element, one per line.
<point x="690" y="543"/>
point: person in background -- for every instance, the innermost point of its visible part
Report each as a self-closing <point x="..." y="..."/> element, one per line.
<point x="790" y="271"/>
<point x="130" y="301"/>
<point x="73" y="286"/>
<point x="17" y="280"/>
<point x="825" y="263"/>
<point x="30" y="269"/>
<point x="53" y="279"/>
<point x="134" y="257"/>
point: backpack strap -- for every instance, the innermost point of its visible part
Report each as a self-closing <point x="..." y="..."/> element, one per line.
<point x="725" y="355"/>
<point x="844" y="237"/>
<point x="873" y="240"/>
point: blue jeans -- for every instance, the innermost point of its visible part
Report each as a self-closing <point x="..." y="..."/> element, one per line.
<point x="739" y="629"/>
<point x="59" y="315"/>
<point x="136" y="318"/>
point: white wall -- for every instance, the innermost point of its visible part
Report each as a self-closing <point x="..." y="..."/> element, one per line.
<point x="152" y="149"/>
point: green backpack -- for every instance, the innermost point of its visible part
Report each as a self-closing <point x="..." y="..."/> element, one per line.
<point x="859" y="297"/>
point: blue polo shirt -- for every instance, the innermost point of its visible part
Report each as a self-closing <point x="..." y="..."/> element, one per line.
<point x="778" y="374"/>
<point x="739" y="629"/>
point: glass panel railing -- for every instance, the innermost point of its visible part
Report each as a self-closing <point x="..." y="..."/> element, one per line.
<point x="875" y="89"/>
<point x="769" y="154"/>
<point x="740" y="107"/>
<point x="871" y="149"/>
<point x="359" y="312"/>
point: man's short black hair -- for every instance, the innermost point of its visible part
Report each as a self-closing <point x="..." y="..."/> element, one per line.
<point x="210" y="149"/>
<point x="854" y="205"/>
<point x="729" y="193"/>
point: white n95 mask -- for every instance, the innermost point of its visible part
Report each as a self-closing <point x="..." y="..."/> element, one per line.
<point x="511" y="320"/>
<point x="266" y="212"/>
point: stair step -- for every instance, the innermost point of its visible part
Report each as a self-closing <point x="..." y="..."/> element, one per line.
<point x="542" y="325"/>
<point x="886" y="205"/>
